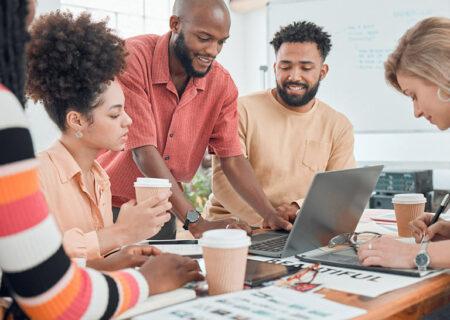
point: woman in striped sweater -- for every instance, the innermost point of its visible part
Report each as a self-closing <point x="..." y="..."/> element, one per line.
<point x="35" y="267"/>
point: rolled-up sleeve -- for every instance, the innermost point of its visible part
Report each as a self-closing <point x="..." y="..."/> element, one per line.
<point x="79" y="244"/>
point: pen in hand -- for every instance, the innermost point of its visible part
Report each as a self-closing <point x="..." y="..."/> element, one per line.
<point x="441" y="209"/>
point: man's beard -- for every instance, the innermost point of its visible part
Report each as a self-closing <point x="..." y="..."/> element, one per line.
<point x="297" y="100"/>
<point x="182" y="54"/>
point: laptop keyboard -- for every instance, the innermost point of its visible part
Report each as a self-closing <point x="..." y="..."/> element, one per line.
<point x="274" y="244"/>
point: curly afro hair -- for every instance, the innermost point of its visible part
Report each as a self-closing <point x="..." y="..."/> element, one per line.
<point x="303" y="31"/>
<point x="70" y="62"/>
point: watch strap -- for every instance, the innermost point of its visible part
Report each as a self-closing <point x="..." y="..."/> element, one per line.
<point x="186" y="224"/>
<point x="187" y="221"/>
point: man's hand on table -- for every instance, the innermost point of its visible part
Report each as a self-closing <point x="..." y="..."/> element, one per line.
<point x="276" y="222"/>
<point x="203" y="225"/>
<point x="127" y="257"/>
<point x="282" y="218"/>
<point x="288" y="211"/>
<point x="167" y="272"/>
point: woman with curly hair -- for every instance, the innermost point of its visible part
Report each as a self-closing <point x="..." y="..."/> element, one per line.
<point x="419" y="68"/>
<point x="35" y="267"/>
<point x="72" y="65"/>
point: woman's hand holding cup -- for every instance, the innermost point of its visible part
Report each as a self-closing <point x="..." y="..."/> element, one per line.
<point x="139" y="221"/>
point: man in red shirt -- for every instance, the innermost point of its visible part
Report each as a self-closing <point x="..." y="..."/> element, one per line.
<point x="182" y="101"/>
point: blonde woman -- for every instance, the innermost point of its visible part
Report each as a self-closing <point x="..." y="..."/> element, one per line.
<point x="420" y="69"/>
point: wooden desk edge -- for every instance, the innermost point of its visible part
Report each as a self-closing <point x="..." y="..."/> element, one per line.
<point x="403" y="303"/>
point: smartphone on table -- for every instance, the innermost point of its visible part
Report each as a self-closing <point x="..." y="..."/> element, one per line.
<point x="258" y="272"/>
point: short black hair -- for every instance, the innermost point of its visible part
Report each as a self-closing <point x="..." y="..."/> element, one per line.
<point x="70" y="62"/>
<point x="303" y="31"/>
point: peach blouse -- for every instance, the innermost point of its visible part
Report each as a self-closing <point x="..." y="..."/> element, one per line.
<point x="79" y="214"/>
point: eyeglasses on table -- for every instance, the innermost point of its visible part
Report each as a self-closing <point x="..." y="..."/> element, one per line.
<point x="354" y="239"/>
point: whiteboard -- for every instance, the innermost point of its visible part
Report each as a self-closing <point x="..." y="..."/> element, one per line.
<point x="363" y="33"/>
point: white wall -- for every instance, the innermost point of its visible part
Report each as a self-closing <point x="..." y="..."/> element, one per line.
<point x="230" y="56"/>
<point x="44" y="6"/>
<point x="244" y="52"/>
<point x="43" y="131"/>
<point x="255" y="55"/>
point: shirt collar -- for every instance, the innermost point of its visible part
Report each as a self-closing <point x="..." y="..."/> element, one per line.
<point x="68" y="168"/>
<point x="160" y="64"/>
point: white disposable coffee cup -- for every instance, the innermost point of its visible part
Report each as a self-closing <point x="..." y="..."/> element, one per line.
<point x="407" y="206"/>
<point x="225" y="253"/>
<point x="150" y="187"/>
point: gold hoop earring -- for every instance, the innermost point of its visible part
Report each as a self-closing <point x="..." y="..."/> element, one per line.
<point x="441" y="97"/>
<point x="78" y="134"/>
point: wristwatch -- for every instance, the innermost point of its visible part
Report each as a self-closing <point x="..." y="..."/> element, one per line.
<point x="422" y="259"/>
<point x="192" y="216"/>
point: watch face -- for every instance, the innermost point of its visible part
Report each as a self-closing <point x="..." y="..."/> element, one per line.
<point x="192" y="216"/>
<point x="422" y="260"/>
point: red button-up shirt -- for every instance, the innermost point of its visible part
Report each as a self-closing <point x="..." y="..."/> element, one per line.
<point x="180" y="128"/>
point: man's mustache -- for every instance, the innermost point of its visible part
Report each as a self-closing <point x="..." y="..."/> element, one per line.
<point x="300" y="84"/>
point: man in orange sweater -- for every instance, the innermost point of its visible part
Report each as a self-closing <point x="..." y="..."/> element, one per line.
<point x="286" y="133"/>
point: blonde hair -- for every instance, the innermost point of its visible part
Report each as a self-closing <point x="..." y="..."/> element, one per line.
<point x="424" y="52"/>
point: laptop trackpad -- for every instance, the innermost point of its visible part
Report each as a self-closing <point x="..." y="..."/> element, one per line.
<point x="268" y="235"/>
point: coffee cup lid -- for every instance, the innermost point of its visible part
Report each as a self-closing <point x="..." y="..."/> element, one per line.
<point x="152" y="182"/>
<point x="225" y="239"/>
<point x="409" y="198"/>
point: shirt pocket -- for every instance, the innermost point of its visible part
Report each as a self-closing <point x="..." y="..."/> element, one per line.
<point x="316" y="155"/>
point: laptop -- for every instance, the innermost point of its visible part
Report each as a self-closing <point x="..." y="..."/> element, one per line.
<point x="333" y="205"/>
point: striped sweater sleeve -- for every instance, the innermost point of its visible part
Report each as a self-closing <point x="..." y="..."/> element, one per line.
<point x="43" y="280"/>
